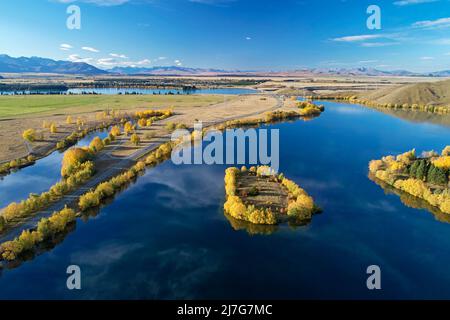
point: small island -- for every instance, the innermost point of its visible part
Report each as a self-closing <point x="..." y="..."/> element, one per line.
<point x="425" y="177"/>
<point x="260" y="196"/>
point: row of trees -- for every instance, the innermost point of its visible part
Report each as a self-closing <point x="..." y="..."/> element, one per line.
<point x="417" y="176"/>
<point x="16" y="163"/>
<point x="76" y="170"/>
<point x="47" y="228"/>
<point x="427" y="171"/>
<point x="37" y="202"/>
<point x="107" y="189"/>
<point x="369" y="103"/>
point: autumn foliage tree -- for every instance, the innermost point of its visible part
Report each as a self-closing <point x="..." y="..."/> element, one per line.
<point x="128" y="128"/>
<point x="72" y="158"/>
<point x="53" y="128"/>
<point x="96" y="145"/>
<point x="115" y="131"/>
<point x="135" y="139"/>
<point x="142" y="122"/>
<point x="29" y="135"/>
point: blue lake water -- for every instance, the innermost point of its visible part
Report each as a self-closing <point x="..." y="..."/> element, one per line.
<point x="38" y="177"/>
<point x="166" y="236"/>
<point x="110" y="91"/>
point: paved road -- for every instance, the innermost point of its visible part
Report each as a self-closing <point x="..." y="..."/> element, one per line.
<point x="121" y="165"/>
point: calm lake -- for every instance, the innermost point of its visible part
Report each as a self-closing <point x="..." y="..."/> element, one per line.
<point x="166" y="236"/>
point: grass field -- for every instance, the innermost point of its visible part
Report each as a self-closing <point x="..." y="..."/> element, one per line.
<point x="21" y="106"/>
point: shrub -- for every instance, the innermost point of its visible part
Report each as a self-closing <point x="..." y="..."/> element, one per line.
<point x="170" y="126"/>
<point x="181" y="126"/>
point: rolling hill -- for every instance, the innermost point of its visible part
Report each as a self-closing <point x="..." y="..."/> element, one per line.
<point x="433" y="93"/>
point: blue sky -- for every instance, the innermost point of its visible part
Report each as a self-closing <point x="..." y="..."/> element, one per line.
<point x="232" y="34"/>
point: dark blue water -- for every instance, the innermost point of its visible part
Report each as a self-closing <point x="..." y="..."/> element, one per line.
<point x="167" y="237"/>
<point x="109" y="91"/>
<point x="38" y="177"/>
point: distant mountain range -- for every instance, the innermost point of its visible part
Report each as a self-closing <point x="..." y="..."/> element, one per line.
<point x="167" y="71"/>
<point x="43" y="65"/>
<point x="362" y="71"/>
<point x="180" y="71"/>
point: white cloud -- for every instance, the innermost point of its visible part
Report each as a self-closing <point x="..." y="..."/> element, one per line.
<point x="178" y="63"/>
<point x="101" y="3"/>
<point x="90" y="49"/>
<point x="359" y="38"/>
<point x="248" y="38"/>
<point x="426" y="58"/>
<point x="107" y="62"/>
<point x="77" y="58"/>
<point x="117" y="55"/>
<point x="144" y="62"/>
<point x="65" y="47"/>
<point x="377" y="44"/>
<point x="402" y="3"/>
<point x="433" y="24"/>
<point x="161" y="58"/>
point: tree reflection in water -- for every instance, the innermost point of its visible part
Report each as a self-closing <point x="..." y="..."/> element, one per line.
<point x="410" y="200"/>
